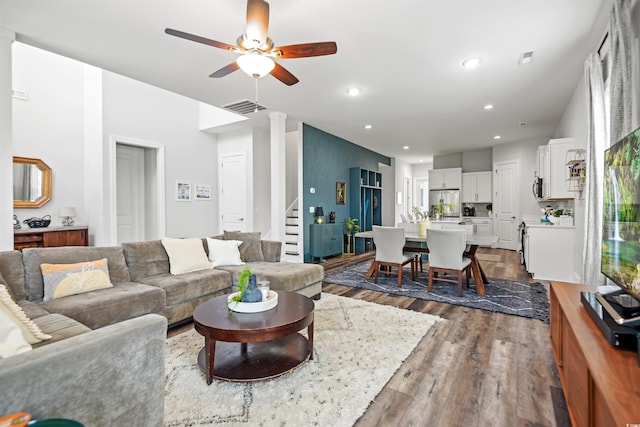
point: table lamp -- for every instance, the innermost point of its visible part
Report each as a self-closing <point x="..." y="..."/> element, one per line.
<point x="67" y="215"/>
<point x="319" y="215"/>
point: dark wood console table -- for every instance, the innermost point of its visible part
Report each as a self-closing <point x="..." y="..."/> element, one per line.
<point x="50" y="237"/>
<point x="601" y="383"/>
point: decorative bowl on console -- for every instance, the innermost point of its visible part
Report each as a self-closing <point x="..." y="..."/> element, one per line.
<point x="35" y="222"/>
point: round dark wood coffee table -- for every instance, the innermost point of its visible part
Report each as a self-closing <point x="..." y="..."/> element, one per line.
<point x="254" y="346"/>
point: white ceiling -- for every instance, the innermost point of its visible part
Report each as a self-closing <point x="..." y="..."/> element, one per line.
<point x="405" y="56"/>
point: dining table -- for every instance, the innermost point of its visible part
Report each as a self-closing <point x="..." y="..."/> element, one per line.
<point x="474" y="241"/>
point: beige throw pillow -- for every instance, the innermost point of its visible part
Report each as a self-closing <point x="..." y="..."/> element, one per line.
<point x="11" y="340"/>
<point x="61" y="280"/>
<point x="224" y="252"/>
<point x="29" y="330"/>
<point x="186" y="255"/>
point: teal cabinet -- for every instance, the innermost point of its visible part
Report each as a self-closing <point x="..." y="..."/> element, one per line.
<point x="325" y="240"/>
<point x="365" y="203"/>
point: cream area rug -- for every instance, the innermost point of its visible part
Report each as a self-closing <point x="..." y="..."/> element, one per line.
<point x="358" y="346"/>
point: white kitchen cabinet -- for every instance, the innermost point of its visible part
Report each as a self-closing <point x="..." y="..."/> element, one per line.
<point x="549" y="251"/>
<point x="484" y="226"/>
<point x="449" y="178"/>
<point x="556" y="164"/>
<point x="476" y="187"/>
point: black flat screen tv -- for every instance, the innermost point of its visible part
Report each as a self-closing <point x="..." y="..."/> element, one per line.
<point x="621" y="229"/>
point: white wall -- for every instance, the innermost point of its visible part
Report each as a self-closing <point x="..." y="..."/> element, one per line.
<point x="140" y="111"/>
<point x="291" y="191"/>
<point x="55" y="125"/>
<point x="574" y="124"/>
<point x="402" y="170"/>
<point x="50" y="125"/>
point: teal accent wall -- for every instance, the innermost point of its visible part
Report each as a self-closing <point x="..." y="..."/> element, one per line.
<point x="326" y="159"/>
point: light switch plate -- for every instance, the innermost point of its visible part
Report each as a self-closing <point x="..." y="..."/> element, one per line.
<point x="311" y="209"/>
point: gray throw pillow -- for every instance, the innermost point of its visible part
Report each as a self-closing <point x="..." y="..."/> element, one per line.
<point x="251" y="247"/>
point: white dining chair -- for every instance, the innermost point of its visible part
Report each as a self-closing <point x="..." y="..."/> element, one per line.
<point x="389" y="242"/>
<point x="446" y="256"/>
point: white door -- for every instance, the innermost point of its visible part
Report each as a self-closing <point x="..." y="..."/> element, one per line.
<point x="130" y="184"/>
<point x="505" y="204"/>
<point x="233" y="192"/>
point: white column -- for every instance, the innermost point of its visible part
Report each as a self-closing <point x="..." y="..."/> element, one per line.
<point x="6" y="141"/>
<point x="278" y="175"/>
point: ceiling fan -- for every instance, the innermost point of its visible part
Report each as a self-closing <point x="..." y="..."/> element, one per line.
<point x="257" y="50"/>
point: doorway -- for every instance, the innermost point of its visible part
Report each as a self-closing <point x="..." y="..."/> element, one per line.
<point x="506" y="205"/>
<point x="233" y="192"/>
<point x="137" y="196"/>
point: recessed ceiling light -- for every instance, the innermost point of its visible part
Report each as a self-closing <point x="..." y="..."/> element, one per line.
<point x="368" y="126"/>
<point x="354" y="91"/>
<point x="488" y="107"/>
<point x="497" y="137"/>
<point x="471" y="63"/>
<point x="406" y="147"/>
<point x="421" y="160"/>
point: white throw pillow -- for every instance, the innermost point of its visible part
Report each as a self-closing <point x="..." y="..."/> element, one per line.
<point x="11" y="317"/>
<point x="186" y="255"/>
<point x="11" y="340"/>
<point x="224" y="252"/>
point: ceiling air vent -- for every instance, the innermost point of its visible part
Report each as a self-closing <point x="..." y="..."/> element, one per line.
<point x="525" y="57"/>
<point x="244" y="107"/>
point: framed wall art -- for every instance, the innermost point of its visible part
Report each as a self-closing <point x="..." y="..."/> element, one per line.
<point x="183" y="191"/>
<point x="203" y="192"/>
<point x="341" y="193"/>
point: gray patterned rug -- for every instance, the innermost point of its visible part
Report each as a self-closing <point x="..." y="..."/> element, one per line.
<point x="358" y="346"/>
<point x="520" y="299"/>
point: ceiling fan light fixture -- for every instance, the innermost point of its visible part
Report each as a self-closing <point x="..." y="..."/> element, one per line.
<point x="255" y="64"/>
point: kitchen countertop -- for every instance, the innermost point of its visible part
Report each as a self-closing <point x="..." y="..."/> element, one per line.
<point x="539" y="224"/>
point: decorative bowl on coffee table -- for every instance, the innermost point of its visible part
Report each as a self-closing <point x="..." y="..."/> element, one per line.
<point x="253" y="307"/>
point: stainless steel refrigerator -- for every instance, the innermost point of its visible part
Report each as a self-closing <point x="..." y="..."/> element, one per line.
<point x="446" y="196"/>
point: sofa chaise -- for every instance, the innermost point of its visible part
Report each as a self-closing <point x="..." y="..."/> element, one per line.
<point x="105" y="360"/>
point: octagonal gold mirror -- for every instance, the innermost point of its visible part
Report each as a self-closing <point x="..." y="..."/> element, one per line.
<point x="31" y="182"/>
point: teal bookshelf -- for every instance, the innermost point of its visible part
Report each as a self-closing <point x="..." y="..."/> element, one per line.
<point x="365" y="202"/>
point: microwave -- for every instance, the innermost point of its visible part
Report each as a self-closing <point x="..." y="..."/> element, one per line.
<point x="537" y="188"/>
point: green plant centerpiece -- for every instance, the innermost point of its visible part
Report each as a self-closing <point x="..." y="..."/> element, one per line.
<point x="247" y="289"/>
<point x="419" y="215"/>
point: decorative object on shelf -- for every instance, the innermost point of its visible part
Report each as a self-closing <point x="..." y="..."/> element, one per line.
<point x="16" y="222"/>
<point x="576" y="171"/>
<point x="332" y="217"/>
<point x="35" y="222"/>
<point x="341" y="193"/>
<point x="351" y="227"/>
<point x="319" y="214"/>
<point x="67" y="214"/>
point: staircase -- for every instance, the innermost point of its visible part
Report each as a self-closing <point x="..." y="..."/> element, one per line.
<point x="293" y="247"/>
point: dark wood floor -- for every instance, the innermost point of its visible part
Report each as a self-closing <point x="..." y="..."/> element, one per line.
<point x="475" y="369"/>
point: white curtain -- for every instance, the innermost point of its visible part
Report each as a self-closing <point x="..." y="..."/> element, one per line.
<point x="621" y="85"/>
<point x="610" y="118"/>
<point x="597" y="142"/>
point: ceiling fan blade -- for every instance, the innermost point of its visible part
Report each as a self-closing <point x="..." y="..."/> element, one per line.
<point x="257" y="21"/>
<point x="305" y="50"/>
<point x="281" y="73"/>
<point x="225" y="70"/>
<point x="199" y="39"/>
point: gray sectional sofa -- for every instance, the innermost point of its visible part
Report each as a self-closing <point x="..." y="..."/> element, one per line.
<point x="105" y="362"/>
